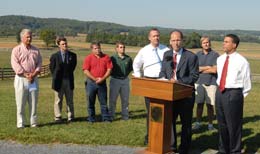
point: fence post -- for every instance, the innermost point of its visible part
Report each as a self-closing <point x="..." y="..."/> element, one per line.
<point x="2" y="73"/>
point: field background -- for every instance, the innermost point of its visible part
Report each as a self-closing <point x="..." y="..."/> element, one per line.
<point x="129" y="133"/>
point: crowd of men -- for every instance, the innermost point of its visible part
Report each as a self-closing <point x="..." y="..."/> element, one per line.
<point x="221" y="82"/>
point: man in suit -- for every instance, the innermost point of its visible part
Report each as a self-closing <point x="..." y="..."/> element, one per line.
<point x="181" y="66"/>
<point x="62" y="66"/>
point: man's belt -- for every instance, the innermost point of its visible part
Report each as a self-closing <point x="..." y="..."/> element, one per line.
<point x="151" y="77"/>
<point x="119" y="77"/>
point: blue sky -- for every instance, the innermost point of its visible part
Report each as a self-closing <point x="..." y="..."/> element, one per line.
<point x="186" y="14"/>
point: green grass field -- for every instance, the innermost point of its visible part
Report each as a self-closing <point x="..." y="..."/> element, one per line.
<point x="130" y="133"/>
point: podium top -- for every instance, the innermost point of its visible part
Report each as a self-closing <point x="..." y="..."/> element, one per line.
<point x="160" y="89"/>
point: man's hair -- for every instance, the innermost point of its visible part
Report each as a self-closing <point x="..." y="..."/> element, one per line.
<point x="235" y="39"/>
<point x="119" y="43"/>
<point x="94" y="43"/>
<point x="59" y="39"/>
<point x="204" y="38"/>
<point x="153" y="29"/>
<point x="24" y="31"/>
<point x="178" y="31"/>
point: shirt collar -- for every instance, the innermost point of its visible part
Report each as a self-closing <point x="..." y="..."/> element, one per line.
<point x="117" y="56"/>
<point x="24" y="46"/>
<point x="231" y="55"/>
<point x="153" y="48"/>
<point x="178" y="53"/>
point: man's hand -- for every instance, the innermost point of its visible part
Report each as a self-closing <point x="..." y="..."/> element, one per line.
<point x="173" y="80"/>
<point x="99" y="80"/>
<point x="30" y="76"/>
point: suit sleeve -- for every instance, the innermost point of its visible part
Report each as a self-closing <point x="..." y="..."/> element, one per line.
<point x="74" y="62"/>
<point x="163" y="69"/>
<point x="52" y="64"/>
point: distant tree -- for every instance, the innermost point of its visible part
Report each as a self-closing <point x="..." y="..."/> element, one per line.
<point x="192" y="40"/>
<point x="18" y="37"/>
<point x="48" y="36"/>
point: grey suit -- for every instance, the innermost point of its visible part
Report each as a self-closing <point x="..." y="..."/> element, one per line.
<point x="187" y="72"/>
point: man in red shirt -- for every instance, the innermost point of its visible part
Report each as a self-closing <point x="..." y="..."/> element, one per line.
<point x="97" y="67"/>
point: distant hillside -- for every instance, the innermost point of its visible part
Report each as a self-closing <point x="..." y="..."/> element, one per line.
<point x="11" y="24"/>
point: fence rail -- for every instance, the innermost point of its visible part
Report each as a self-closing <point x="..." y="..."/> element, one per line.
<point x="6" y="73"/>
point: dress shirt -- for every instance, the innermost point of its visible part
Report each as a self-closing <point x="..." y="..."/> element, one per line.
<point x="238" y="74"/>
<point x="178" y="60"/>
<point x="62" y="56"/>
<point x="149" y="59"/>
<point x="25" y="60"/>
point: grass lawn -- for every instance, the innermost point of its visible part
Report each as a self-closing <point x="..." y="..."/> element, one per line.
<point x="119" y="132"/>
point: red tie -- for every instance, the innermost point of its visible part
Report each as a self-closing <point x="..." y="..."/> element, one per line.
<point x="174" y="64"/>
<point x="224" y="75"/>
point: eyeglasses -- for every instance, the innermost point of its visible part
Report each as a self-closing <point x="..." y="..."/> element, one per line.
<point x="121" y="47"/>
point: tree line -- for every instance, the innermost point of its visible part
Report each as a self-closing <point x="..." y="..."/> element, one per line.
<point x="191" y="40"/>
<point x="49" y="36"/>
<point x="109" y="32"/>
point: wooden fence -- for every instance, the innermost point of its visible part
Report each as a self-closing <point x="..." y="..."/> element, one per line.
<point x="6" y="73"/>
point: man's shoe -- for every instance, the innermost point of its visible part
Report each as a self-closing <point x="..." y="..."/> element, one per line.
<point x="211" y="127"/>
<point x="57" y="120"/>
<point x="196" y="126"/>
<point x="34" y="125"/>
<point x="145" y="141"/>
<point x="107" y="121"/>
<point x="90" y="121"/>
<point x="174" y="149"/>
<point x="70" y="120"/>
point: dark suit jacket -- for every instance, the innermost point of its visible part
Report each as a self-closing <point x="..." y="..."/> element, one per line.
<point x="57" y="69"/>
<point x="188" y="67"/>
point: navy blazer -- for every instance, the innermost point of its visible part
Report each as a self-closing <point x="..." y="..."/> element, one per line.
<point x="188" y="67"/>
<point x="57" y="70"/>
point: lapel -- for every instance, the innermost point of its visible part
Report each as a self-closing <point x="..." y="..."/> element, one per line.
<point x="68" y="57"/>
<point x="59" y="57"/>
<point x="171" y="55"/>
<point x="182" y="60"/>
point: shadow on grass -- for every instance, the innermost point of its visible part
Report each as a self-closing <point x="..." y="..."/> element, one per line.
<point x="64" y="121"/>
<point x="205" y="142"/>
<point x="251" y="119"/>
<point x="251" y="144"/>
<point x="136" y="114"/>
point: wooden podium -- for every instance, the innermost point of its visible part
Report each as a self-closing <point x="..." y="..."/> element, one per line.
<point x="161" y="93"/>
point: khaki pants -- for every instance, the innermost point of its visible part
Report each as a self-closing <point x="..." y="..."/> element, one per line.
<point x="65" y="89"/>
<point x="23" y="93"/>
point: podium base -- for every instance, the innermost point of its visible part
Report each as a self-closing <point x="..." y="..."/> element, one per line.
<point x="146" y="151"/>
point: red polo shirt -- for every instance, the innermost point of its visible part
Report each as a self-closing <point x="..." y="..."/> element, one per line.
<point x="97" y="66"/>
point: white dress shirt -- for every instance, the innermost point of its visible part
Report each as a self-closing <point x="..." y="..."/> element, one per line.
<point x="238" y="73"/>
<point x="149" y="60"/>
<point x="178" y="60"/>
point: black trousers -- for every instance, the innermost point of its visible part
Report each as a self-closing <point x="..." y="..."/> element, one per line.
<point x="147" y="105"/>
<point x="184" y="109"/>
<point x="229" y="111"/>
